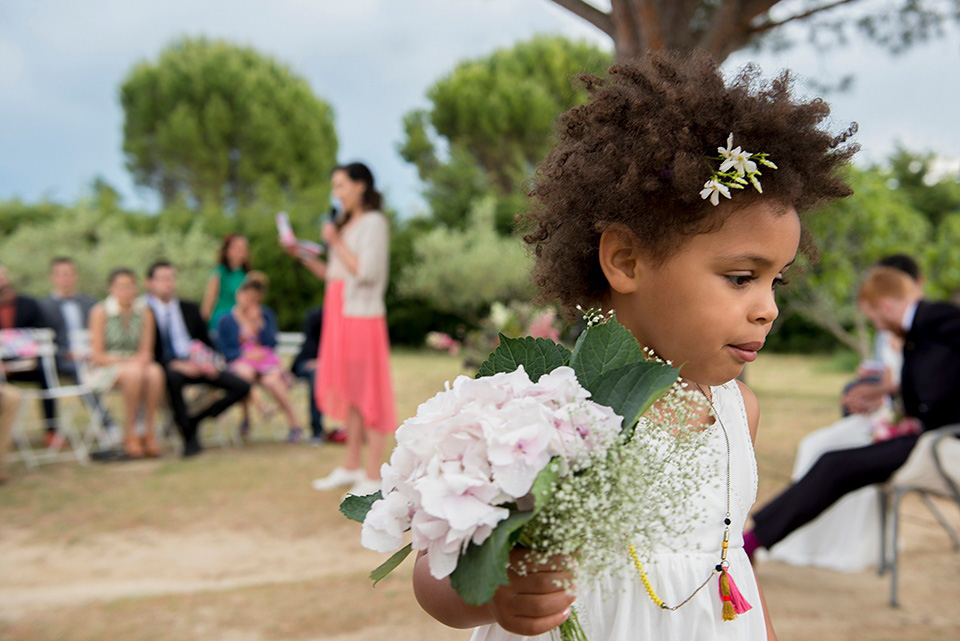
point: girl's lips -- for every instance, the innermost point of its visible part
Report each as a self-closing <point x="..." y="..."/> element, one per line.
<point x="746" y="352"/>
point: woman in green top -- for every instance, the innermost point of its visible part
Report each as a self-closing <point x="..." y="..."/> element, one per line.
<point x="234" y="263"/>
<point x="122" y="334"/>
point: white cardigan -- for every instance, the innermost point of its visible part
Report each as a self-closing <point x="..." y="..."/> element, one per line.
<point x="369" y="240"/>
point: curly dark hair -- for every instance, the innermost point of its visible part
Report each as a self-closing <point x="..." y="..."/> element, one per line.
<point x="640" y="150"/>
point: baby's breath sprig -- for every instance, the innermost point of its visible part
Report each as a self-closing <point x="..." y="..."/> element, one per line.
<point x="738" y="168"/>
<point x="595" y="315"/>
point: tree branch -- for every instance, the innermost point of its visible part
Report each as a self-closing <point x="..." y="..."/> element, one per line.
<point x="590" y="13"/>
<point x="767" y="26"/>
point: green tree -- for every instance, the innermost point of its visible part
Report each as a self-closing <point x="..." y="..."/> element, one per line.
<point x="851" y="235"/>
<point x="209" y="120"/>
<point x="721" y="27"/>
<point x="462" y="271"/>
<point x="491" y="121"/>
<point x="99" y="243"/>
<point x="934" y="193"/>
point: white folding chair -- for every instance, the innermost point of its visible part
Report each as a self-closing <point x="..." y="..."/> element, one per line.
<point x="932" y="470"/>
<point x="27" y="349"/>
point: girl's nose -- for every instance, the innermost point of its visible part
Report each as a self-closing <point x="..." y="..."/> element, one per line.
<point x="765" y="310"/>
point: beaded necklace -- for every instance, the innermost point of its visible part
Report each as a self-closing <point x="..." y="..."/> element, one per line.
<point x="733" y="601"/>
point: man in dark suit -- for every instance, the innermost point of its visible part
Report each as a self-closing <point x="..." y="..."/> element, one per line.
<point x="23" y="312"/>
<point x="929" y="389"/>
<point x="179" y="324"/>
<point x="65" y="310"/>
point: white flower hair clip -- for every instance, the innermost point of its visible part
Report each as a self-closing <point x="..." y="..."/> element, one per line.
<point x="738" y="168"/>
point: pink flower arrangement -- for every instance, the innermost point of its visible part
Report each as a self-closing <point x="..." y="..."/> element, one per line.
<point x="475" y="448"/>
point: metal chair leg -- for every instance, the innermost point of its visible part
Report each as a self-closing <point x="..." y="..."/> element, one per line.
<point x="952" y="533"/>
<point x="884" y="498"/>
<point x="895" y="548"/>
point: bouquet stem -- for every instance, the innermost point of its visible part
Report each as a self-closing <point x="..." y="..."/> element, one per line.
<point x="569" y="630"/>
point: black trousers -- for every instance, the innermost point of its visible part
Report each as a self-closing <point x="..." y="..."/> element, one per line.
<point x="234" y="387"/>
<point x="39" y="376"/>
<point x="834" y="475"/>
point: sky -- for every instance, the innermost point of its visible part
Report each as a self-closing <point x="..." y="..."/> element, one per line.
<point x="62" y="62"/>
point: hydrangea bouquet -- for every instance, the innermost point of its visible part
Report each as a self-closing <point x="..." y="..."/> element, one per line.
<point x="541" y="450"/>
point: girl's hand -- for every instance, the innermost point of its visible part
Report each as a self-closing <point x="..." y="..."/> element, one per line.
<point x="330" y="234"/>
<point x="535" y="602"/>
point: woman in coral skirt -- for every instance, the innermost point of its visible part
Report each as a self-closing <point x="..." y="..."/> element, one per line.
<point x="353" y="375"/>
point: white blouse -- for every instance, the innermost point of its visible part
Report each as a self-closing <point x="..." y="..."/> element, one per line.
<point x="369" y="240"/>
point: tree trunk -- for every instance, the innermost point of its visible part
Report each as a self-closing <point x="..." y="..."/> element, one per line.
<point x="718" y="27"/>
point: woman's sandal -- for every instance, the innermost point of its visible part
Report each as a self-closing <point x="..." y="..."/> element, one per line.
<point x="132" y="448"/>
<point x="295" y="435"/>
<point x="150" y="447"/>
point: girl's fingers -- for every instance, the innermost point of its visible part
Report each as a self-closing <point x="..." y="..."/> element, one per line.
<point x="531" y="626"/>
<point x="540" y="582"/>
<point x="536" y="606"/>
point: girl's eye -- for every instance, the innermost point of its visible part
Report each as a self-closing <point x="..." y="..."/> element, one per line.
<point x="780" y="282"/>
<point x="739" y="280"/>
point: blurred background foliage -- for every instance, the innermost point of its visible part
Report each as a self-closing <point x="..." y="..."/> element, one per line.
<point x="227" y="137"/>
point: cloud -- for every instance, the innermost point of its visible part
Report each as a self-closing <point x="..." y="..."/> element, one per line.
<point x="61" y="63"/>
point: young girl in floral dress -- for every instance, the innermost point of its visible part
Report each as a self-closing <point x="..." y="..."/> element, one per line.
<point x="674" y="199"/>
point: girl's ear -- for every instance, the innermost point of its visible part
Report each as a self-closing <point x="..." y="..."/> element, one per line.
<point x="620" y="258"/>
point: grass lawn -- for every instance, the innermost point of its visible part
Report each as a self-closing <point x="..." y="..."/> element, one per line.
<point x="236" y="546"/>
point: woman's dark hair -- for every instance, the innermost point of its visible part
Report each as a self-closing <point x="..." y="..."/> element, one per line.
<point x="117" y="272"/>
<point x="358" y="172"/>
<point x="225" y="246"/>
<point x="641" y="150"/>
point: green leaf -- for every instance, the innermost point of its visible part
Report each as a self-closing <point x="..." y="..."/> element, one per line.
<point x="603" y="348"/>
<point x="482" y="569"/>
<point x="538" y="356"/>
<point x="632" y="389"/>
<point x="355" y="508"/>
<point x="543" y="485"/>
<point x="390" y="564"/>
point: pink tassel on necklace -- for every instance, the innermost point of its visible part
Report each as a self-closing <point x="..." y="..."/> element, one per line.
<point x="733" y="601"/>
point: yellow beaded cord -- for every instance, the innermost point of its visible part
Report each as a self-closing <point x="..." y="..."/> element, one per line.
<point x="643" y="576"/>
<point x="729" y="612"/>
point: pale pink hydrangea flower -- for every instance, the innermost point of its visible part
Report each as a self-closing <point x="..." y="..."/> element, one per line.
<point x="474" y="447"/>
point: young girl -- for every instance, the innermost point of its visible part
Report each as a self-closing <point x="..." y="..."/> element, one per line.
<point x="635" y="210"/>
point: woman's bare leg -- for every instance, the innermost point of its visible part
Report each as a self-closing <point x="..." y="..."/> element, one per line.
<point x="354" y="439"/>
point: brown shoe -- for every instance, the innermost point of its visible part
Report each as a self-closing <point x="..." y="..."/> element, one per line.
<point x="132" y="447"/>
<point x="150" y="447"/>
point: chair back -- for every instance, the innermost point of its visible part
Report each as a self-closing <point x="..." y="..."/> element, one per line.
<point x="27" y="348"/>
<point x="933" y="465"/>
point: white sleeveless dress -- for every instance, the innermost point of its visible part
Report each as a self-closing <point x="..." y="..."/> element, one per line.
<point x="615" y="609"/>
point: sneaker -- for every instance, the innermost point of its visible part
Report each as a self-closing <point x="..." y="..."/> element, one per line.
<point x="316" y="441"/>
<point x="364" y="486"/>
<point x="339" y="477"/>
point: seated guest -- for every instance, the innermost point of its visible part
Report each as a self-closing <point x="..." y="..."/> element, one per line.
<point x="22" y="312"/>
<point x="65" y="310"/>
<point x="305" y="366"/>
<point x="122" y="331"/>
<point x="68" y="311"/>
<point x="846" y="537"/>
<point x="247" y="337"/>
<point x="929" y="391"/>
<point x="184" y="349"/>
<point x="9" y="403"/>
